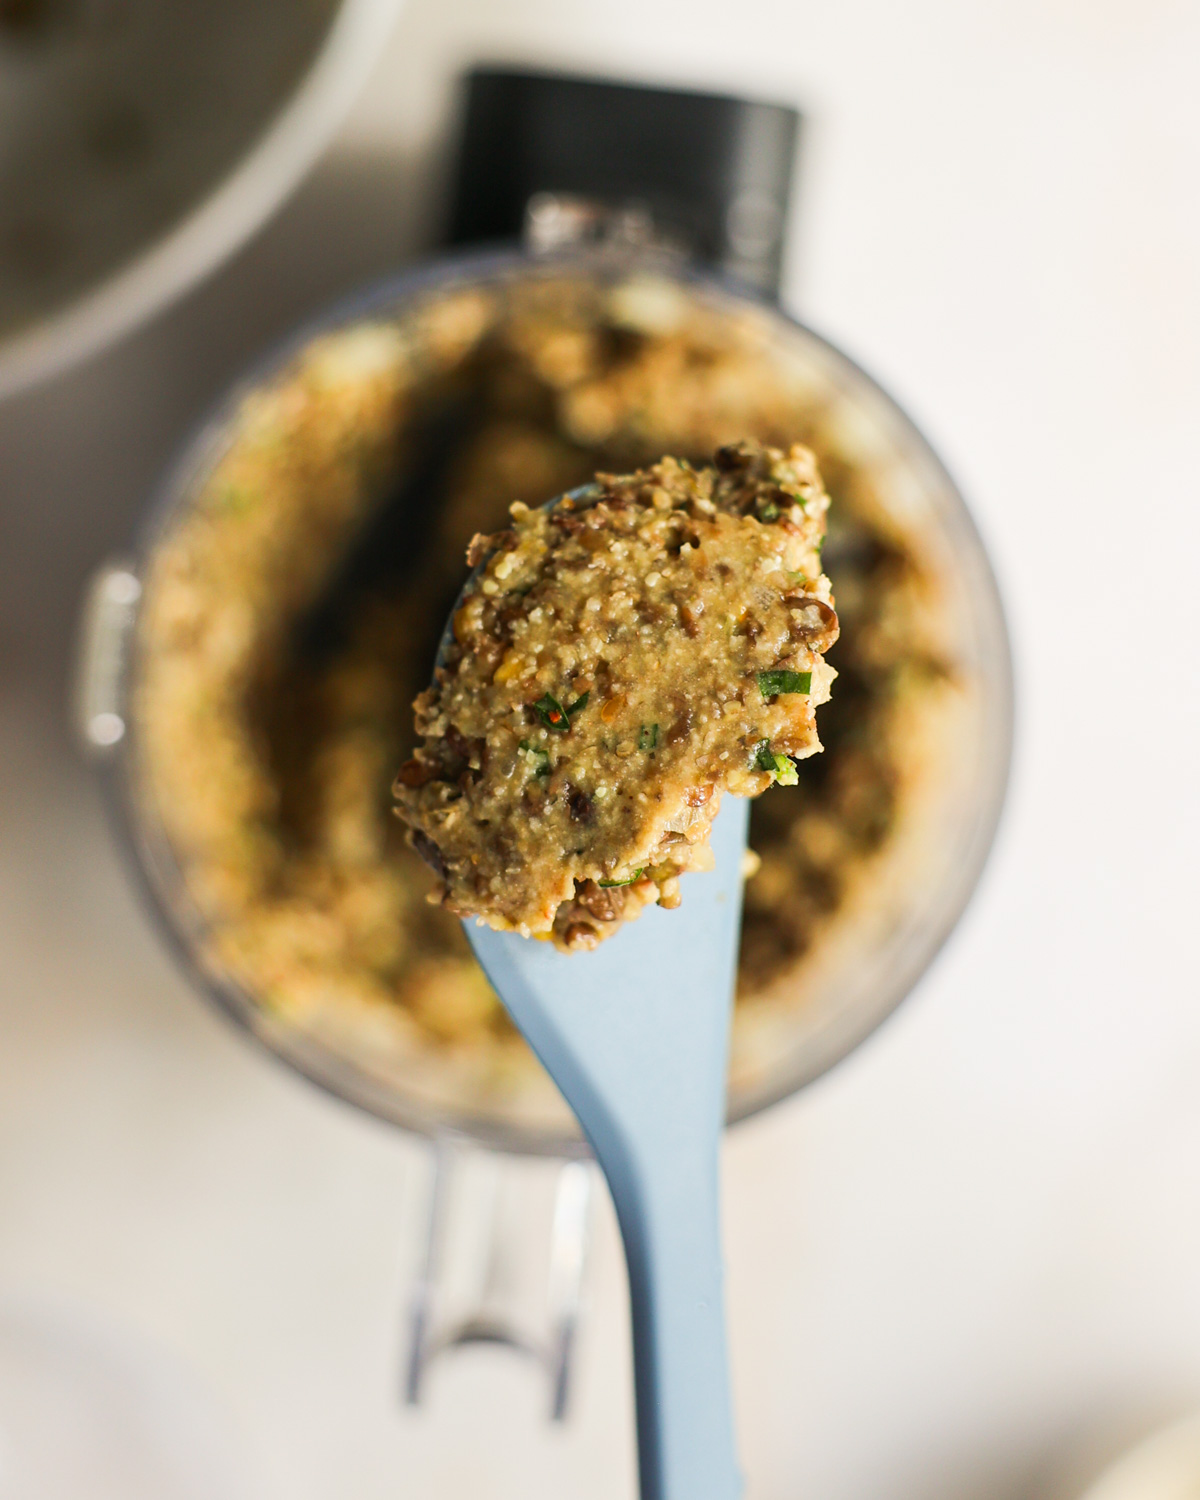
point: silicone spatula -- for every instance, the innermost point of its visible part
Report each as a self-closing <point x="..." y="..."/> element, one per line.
<point x="635" y="1033"/>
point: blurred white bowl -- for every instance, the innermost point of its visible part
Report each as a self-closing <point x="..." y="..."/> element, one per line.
<point x="1165" y="1466"/>
<point x="141" y="141"/>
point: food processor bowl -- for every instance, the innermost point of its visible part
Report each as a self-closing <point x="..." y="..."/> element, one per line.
<point x="873" y="951"/>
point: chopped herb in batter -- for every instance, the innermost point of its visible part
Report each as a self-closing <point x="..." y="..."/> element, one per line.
<point x="770" y="684"/>
<point x="782" y="767"/>
<point x="554" y="716"/>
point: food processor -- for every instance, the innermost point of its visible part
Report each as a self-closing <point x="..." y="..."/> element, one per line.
<point x="668" y="210"/>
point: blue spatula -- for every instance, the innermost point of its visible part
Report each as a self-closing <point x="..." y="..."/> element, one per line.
<point x="636" y="1036"/>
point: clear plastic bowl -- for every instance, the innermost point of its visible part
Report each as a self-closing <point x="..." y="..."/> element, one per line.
<point x="868" y="960"/>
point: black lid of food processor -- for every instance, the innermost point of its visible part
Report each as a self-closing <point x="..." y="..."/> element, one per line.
<point x="701" y="175"/>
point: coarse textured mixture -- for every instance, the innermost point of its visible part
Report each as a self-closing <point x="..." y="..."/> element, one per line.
<point x="271" y="768"/>
<point x="620" y="661"/>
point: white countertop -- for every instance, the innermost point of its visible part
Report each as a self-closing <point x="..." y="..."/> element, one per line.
<point x="976" y="1244"/>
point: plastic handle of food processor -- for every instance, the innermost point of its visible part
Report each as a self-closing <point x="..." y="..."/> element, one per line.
<point x="636" y="1036"/>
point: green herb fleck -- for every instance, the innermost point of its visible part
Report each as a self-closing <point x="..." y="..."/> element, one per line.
<point x="782" y="766"/>
<point x="785" y="771"/>
<point x="769" y="512"/>
<point x="541" y="757"/>
<point x="552" y="714"/>
<point x="608" y="884"/>
<point x="770" y="684"/>
<point x="648" y="737"/>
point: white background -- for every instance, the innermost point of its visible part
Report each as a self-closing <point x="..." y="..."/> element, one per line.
<point x="973" y="1251"/>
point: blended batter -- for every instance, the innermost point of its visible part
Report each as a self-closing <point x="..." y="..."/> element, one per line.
<point x="619" y="661"/>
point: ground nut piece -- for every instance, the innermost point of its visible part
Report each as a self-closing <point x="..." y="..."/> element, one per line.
<point x="554" y="806"/>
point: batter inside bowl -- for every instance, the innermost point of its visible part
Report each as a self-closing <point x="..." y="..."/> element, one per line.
<point x="269" y="763"/>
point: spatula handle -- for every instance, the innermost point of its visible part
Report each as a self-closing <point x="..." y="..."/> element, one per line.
<point x="636" y="1037"/>
<point x="669" y="1221"/>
